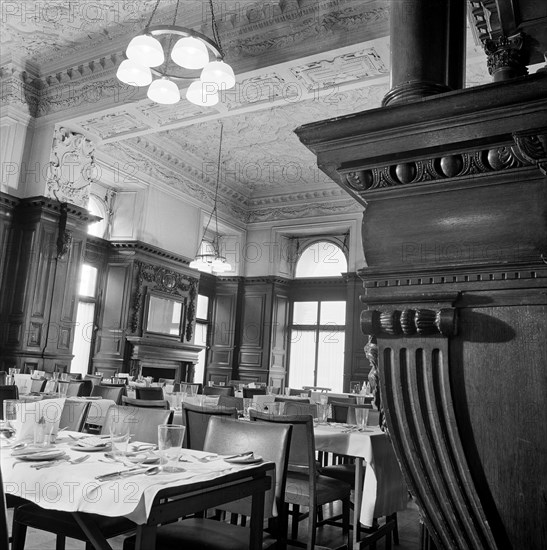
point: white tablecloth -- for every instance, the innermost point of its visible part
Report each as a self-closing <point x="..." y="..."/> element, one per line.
<point x="384" y="490"/>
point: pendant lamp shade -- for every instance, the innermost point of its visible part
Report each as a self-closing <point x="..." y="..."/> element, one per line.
<point x="201" y="93"/>
<point x="190" y="53"/>
<point x="219" y="73"/>
<point x="134" y="74"/>
<point x="145" y="50"/>
<point x="164" y="91"/>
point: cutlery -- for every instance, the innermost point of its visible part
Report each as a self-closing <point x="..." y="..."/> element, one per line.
<point x="131" y="472"/>
<point x="240" y="455"/>
<point x="78" y="460"/>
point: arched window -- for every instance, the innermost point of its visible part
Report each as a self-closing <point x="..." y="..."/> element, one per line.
<point x="321" y="259"/>
<point x="97" y="207"/>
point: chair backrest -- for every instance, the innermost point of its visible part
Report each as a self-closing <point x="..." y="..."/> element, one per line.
<point x="152" y="392"/>
<point x="281" y="399"/>
<point x="73" y="415"/>
<point x="95" y="378"/>
<point x="196" y="420"/>
<point x="37" y="385"/>
<point x="3" y="376"/>
<point x="272" y="443"/>
<point x="147" y="403"/>
<point x="302" y="451"/>
<point x="345" y="412"/>
<point x="78" y="388"/>
<point x="251" y="392"/>
<point x="219" y="390"/>
<point x="7" y="392"/>
<point x="295" y="408"/>
<point x="226" y="401"/>
<point x="114" y="393"/>
<point x="144" y="421"/>
<point x="164" y="381"/>
<point x="4" y="535"/>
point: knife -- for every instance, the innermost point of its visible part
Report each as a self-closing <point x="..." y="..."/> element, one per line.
<point x="248" y="453"/>
<point x="121" y="473"/>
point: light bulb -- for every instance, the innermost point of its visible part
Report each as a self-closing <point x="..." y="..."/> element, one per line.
<point x="190" y="53"/>
<point x="145" y="50"/>
<point x="219" y="73"/>
<point x="164" y="91"/>
<point x="204" y="94"/>
<point x="134" y="74"/>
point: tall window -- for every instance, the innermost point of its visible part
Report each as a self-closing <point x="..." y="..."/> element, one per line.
<point x="202" y="333"/>
<point x="83" y="333"/>
<point x="317" y="328"/>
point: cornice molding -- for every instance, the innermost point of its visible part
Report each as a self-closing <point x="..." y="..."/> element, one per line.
<point x="139" y="246"/>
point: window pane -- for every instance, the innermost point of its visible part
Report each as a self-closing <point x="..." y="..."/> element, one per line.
<point x="330" y="365"/>
<point x="305" y="313"/>
<point x="97" y="208"/>
<point x="202" y="307"/>
<point x="83" y="334"/>
<point x="88" y="281"/>
<point x="333" y="313"/>
<point x="302" y="359"/>
<point x="321" y="259"/>
<point x="200" y="340"/>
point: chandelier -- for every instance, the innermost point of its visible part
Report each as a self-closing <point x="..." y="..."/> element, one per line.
<point x="161" y="47"/>
<point x="208" y="257"/>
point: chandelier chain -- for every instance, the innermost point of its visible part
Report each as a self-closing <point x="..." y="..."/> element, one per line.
<point x="153" y="13"/>
<point x="214" y="26"/>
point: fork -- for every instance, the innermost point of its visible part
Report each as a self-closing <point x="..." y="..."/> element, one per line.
<point x="78" y="460"/>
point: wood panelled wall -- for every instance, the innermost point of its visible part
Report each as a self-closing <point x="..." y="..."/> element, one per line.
<point x="42" y="250"/>
<point x="249" y="339"/>
<point x="455" y="239"/>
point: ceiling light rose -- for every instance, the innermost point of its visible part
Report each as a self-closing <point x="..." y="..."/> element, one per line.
<point x="134" y="74"/>
<point x="190" y="53"/>
<point x="164" y="91"/>
<point x="219" y="73"/>
<point x="201" y="93"/>
<point x="186" y="49"/>
<point x="145" y="50"/>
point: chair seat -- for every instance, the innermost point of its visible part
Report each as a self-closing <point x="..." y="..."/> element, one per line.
<point x="327" y="489"/>
<point x="64" y="523"/>
<point x="201" y="534"/>
<point x="342" y="472"/>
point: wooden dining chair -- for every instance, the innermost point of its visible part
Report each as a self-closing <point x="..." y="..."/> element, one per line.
<point x="95" y="378"/>
<point x="305" y="486"/>
<point x="228" y="391"/>
<point x="77" y="388"/>
<point x="196" y="420"/>
<point x="144" y="421"/>
<point x="227" y="402"/>
<point x="113" y="393"/>
<point x="251" y="392"/>
<point x="228" y="436"/>
<point x="37" y="385"/>
<point x="7" y="392"/>
<point x="4" y="532"/>
<point x="146" y="403"/>
<point x="149" y="392"/>
<point x="293" y="407"/>
<point x="282" y="399"/>
<point x="73" y="415"/>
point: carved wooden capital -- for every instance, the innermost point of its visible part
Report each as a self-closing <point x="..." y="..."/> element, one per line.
<point x="504" y="57"/>
<point x="409" y="322"/>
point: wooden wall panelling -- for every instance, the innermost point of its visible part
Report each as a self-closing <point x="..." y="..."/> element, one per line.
<point x="7" y="207"/>
<point x="279" y="337"/>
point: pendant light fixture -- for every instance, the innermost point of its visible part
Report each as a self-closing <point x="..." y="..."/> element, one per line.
<point x="208" y="257"/>
<point x="159" y="47"/>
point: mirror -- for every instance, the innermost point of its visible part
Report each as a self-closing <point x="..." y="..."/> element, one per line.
<point x="164" y="316"/>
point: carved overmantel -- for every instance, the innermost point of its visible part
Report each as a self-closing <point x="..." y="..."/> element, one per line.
<point x="455" y="238"/>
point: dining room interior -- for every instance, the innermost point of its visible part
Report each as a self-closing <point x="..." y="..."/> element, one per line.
<point x="287" y="250"/>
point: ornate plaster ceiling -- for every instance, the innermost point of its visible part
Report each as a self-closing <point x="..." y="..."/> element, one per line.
<point x="296" y="61"/>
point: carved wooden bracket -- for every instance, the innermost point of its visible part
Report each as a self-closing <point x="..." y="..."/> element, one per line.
<point x="532" y="146"/>
<point x="409" y="322"/>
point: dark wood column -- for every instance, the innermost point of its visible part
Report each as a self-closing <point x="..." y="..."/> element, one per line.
<point x="427" y="48"/>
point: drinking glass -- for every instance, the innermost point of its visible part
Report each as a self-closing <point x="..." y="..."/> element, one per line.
<point x="269" y="390"/>
<point x="360" y="399"/>
<point x="361" y="418"/>
<point x="62" y="388"/>
<point x="176" y="400"/>
<point x="355" y="387"/>
<point x="56" y="375"/>
<point x="9" y="415"/>
<point x="170" y="437"/>
<point x="287" y="391"/>
<point x="322" y="413"/>
<point x="247" y="402"/>
<point x="120" y="434"/>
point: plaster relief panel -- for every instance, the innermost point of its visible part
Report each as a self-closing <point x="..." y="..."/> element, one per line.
<point x="71" y="168"/>
<point x="345" y="68"/>
<point x="113" y="124"/>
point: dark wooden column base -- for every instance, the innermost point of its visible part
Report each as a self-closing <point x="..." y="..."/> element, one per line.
<point x="411" y="91"/>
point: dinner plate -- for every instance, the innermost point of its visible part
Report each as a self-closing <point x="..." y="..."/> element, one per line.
<point x="136" y="457"/>
<point x="88" y="449"/>
<point x="51" y="454"/>
<point x="253" y="459"/>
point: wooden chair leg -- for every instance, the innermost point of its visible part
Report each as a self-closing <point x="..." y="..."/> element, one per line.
<point x="395" y="529"/>
<point x="60" y="542"/>
<point x="312" y="528"/>
<point x="295" y="519"/>
<point x="345" y="520"/>
<point x="18" y="536"/>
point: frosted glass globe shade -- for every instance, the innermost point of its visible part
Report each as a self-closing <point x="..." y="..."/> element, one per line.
<point x="164" y="91"/>
<point x="145" y="50"/>
<point x="190" y="53"/>
<point x="219" y="73"/>
<point x="204" y="94"/>
<point x="134" y="74"/>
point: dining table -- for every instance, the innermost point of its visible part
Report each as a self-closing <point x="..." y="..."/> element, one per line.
<point x="379" y="486"/>
<point x="141" y="493"/>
